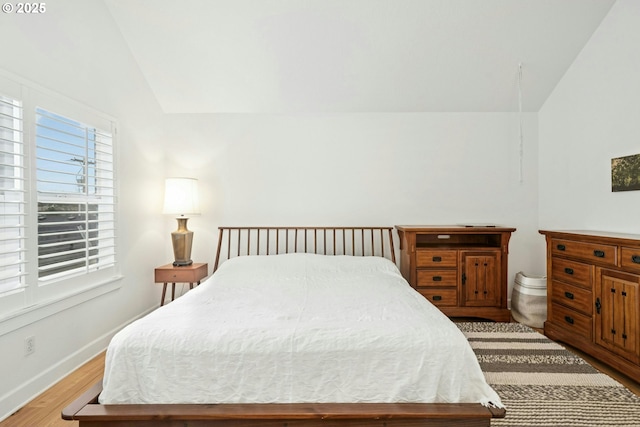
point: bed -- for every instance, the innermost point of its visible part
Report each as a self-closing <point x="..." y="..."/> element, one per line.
<point x="298" y="326"/>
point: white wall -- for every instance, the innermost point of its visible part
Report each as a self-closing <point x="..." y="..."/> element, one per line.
<point x="305" y="169"/>
<point x="75" y="49"/>
<point x="361" y="169"/>
<point x="592" y="116"/>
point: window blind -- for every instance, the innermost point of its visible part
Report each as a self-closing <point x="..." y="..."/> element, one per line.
<point x="12" y="197"/>
<point x="76" y="196"/>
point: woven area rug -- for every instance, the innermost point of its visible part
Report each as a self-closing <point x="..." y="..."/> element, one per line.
<point x="543" y="384"/>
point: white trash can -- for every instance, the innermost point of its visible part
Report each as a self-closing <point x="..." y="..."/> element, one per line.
<point x="529" y="300"/>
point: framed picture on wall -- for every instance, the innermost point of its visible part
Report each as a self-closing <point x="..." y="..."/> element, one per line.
<point x="625" y="173"/>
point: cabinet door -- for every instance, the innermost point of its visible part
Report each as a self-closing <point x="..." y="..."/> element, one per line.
<point x="617" y="305"/>
<point x="480" y="278"/>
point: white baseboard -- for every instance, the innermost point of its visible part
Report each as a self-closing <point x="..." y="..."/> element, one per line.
<point x="15" y="399"/>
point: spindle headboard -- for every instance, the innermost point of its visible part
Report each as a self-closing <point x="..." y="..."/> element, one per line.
<point x="355" y="241"/>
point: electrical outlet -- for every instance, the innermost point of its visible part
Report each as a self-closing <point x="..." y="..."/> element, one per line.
<point x="29" y="345"/>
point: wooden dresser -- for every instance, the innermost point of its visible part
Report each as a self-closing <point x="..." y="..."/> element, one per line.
<point x="593" y="295"/>
<point x="460" y="269"/>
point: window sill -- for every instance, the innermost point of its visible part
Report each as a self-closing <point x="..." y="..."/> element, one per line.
<point x="44" y="309"/>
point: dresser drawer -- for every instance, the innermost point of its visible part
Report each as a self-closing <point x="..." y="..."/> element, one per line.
<point x="590" y="252"/>
<point x="630" y="258"/>
<point x="437" y="278"/>
<point x="572" y="296"/>
<point x="572" y="272"/>
<point x="441" y="297"/>
<point x="436" y="258"/>
<point x="569" y="319"/>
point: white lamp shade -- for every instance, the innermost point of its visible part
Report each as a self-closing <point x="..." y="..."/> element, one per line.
<point x="181" y="196"/>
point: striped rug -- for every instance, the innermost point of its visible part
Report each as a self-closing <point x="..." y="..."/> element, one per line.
<point x="543" y="384"/>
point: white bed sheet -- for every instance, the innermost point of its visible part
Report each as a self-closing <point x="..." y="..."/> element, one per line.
<point x="295" y="328"/>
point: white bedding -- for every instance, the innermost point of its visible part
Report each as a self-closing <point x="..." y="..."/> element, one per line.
<point x="295" y="328"/>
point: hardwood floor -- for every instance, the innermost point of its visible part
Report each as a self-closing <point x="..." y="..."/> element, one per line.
<point x="44" y="410"/>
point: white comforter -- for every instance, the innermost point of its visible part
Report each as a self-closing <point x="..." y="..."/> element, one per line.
<point x="295" y="328"/>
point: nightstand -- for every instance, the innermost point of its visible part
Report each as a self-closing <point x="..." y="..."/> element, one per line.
<point x="190" y="274"/>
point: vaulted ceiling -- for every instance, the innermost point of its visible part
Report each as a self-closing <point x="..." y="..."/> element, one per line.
<point x="326" y="56"/>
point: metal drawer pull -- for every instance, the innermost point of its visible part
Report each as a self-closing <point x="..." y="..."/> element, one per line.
<point x="436" y="259"/>
<point x="437" y="278"/>
<point x="437" y="298"/>
<point x="561" y="247"/>
<point x="635" y="258"/>
<point x="568" y="270"/>
<point x="569" y="319"/>
<point x="568" y="295"/>
<point x="599" y="254"/>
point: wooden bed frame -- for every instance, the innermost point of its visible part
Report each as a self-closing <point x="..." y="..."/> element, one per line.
<point x="239" y="241"/>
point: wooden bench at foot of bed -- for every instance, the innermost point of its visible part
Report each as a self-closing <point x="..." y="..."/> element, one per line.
<point x="89" y="413"/>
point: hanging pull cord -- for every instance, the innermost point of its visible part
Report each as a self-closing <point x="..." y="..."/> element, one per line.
<point x="520" y="136"/>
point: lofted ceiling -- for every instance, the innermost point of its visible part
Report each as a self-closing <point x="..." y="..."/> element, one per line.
<point x="334" y="56"/>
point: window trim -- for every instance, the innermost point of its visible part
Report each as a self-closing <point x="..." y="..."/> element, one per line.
<point x="46" y="308"/>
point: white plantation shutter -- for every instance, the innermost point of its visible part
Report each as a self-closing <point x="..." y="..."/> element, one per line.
<point x="57" y="203"/>
<point x="76" y="197"/>
<point x="12" y="197"/>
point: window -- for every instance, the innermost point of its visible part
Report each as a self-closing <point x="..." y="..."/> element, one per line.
<point x="76" y="218"/>
<point x="12" y="197"/>
<point x="57" y="203"/>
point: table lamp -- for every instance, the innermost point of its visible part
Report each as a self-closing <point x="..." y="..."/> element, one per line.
<point x="181" y="198"/>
